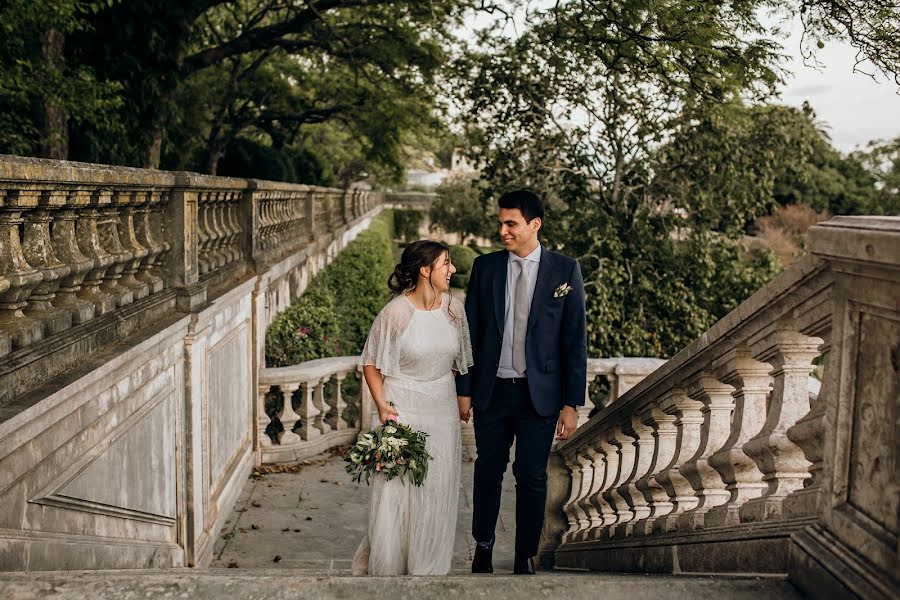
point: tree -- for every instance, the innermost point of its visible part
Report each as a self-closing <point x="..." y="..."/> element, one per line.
<point x="458" y="209"/>
<point x="581" y="107"/>
<point x="870" y="26"/>
<point x="882" y="161"/>
<point x="40" y="93"/>
<point x="270" y="60"/>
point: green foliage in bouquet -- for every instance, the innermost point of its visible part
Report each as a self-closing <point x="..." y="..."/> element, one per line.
<point x="393" y="450"/>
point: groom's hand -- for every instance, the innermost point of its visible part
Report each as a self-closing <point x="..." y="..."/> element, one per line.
<point x="568" y="421"/>
<point x="465" y="407"/>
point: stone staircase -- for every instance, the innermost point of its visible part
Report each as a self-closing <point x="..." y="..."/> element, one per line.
<point x="277" y="584"/>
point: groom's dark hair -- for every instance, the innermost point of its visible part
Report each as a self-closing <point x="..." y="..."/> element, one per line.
<point x="526" y="201"/>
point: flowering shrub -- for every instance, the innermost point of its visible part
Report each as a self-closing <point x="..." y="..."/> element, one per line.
<point x="333" y="316"/>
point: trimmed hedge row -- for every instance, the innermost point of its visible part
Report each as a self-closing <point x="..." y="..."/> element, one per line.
<point x="462" y="258"/>
<point x="333" y="316"/>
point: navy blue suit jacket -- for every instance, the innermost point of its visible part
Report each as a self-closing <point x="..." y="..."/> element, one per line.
<point x="556" y="338"/>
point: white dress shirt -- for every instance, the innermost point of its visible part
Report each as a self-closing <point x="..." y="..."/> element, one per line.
<point x="530" y="264"/>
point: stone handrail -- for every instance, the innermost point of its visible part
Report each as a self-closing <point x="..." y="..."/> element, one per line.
<point x="110" y="250"/>
<point x="324" y="417"/>
<point x="723" y="444"/>
<point x="314" y="427"/>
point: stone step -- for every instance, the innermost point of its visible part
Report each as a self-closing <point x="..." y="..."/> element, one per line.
<point x="278" y="584"/>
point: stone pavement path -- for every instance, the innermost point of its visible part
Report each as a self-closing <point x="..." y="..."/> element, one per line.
<point x="314" y="518"/>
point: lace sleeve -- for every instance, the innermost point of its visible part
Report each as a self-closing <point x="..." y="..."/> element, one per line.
<point x="382" y="347"/>
<point x="464" y="355"/>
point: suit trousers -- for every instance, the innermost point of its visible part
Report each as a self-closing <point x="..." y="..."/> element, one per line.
<point x="511" y="416"/>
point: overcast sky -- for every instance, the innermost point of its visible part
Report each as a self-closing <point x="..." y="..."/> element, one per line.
<point x="856" y="108"/>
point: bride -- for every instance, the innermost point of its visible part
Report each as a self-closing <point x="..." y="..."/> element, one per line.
<point x="418" y="343"/>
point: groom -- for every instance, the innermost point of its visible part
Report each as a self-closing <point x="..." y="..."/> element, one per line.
<point x="525" y="307"/>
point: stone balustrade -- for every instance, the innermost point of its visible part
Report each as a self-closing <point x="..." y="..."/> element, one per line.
<point x="316" y="411"/>
<point x="90" y="254"/>
<point x="715" y="460"/>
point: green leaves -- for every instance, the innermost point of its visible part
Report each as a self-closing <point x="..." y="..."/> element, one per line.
<point x="333" y="316"/>
<point x="391" y="450"/>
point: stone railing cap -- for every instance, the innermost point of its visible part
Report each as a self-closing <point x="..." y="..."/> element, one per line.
<point x="312" y="370"/>
<point x="857" y="239"/>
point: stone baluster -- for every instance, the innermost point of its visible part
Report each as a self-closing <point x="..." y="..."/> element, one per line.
<point x="289" y="418"/>
<point x="595" y="455"/>
<point x="5" y="341"/>
<point x="665" y="433"/>
<point x="38" y="252"/>
<point x="223" y="223"/>
<point x="321" y="406"/>
<point x="65" y="247"/>
<point x="580" y="469"/>
<point x="107" y="228"/>
<point x="644" y="442"/>
<point x="149" y="239"/>
<point x="718" y="405"/>
<point x="309" y="413"/>
<point x="808" y="434"/>
<point x="742" y="477"/>
<point x="216" y="229"/>
<point x="338" y="405"/>
<point x="783" y="465"/>
<point x="262" y="418"/>
<point x="264" y="232"/>
<point x="625" y="447"/>
<point x="205" y="259"/>
<point x="129" y="240"/>
<point x="687" y="423"/>
<point x="235" y="230"/>
<point x="20" y="279"/>
<point x="598" y="499"/>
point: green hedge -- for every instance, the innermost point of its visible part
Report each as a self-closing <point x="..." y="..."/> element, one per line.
<point x="333" y="316"/>
<point x="407" y="222"/>
<point x="462" y="257"/>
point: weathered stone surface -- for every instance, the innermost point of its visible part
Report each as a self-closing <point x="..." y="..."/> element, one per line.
<point x="213" y="585"/>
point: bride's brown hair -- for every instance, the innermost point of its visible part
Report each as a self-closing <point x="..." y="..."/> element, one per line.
<point x="423" y="253"/>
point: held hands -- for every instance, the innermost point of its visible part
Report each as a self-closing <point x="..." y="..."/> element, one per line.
<point x="568" y="421"/>
<point x="386" y="412"/>
<point x="465" y="407"/>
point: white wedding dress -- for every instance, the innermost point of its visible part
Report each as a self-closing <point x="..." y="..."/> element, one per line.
<point x="412" y="529"/>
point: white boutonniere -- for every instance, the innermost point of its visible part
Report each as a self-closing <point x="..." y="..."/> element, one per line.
<point x="562" y="290"/>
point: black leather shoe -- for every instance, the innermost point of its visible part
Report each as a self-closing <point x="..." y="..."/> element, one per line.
<point x="523" y="565"/>
<point x="482" y="561"/>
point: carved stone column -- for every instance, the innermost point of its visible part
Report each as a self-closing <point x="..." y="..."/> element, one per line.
<point x="319" y="401"/>
<point x="38" y="251"/>
<point x="5" y="341"/>
<point x="151" y="239"/>
<point x="644" y="442"/>
<point x="263" y="419"/>
<point x="128" y="240"/>
<point x="289" y="418"/>
<point x="575" y="465"/>
<point x="108" y="229"/>
<point x="309" y="413"/>
<point x="337" y="404"/>
<point x="627" y="455"/>
<point x="742" y="477"/>
<point x="688" y="420"/>
<point x="65" y="247"/>
<point x="89" y="244"/>
<point x="604" y="509"/>
<point x="783" y="465"/>
<point x="718" y="405"/>
<point x="666" y="435"/>
<point x="808" y="434"/>
<point x="598" y="476"/>
<point x="21" y="279"/>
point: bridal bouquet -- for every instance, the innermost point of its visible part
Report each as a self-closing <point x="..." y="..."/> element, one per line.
<point x="392" y="450"/>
